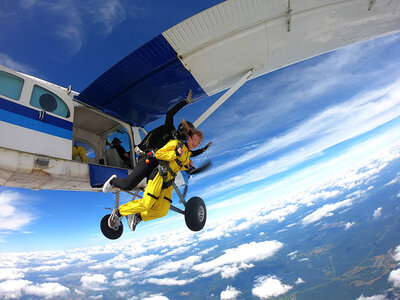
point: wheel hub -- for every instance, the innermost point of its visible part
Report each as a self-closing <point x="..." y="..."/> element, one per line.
<point x="201" y="213"/>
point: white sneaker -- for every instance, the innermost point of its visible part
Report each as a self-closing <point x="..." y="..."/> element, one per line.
<point x="114" y="221"/>
<point x="133" y="220"/>
<point x="107" y="185"/>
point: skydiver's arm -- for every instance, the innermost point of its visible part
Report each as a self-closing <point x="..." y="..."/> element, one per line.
<point x="200" y="151"/>
<point x="169" y="119"/>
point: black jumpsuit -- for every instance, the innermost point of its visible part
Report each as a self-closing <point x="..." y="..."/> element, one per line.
<point x="143" y="169"/>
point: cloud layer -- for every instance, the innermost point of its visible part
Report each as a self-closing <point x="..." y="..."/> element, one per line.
<point x="225" y="250"/>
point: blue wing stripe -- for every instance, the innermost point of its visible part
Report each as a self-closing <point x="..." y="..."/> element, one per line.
<point x="144" y="85"/>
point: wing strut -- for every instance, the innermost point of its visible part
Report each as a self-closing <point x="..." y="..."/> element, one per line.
<point x="223" y="98"/>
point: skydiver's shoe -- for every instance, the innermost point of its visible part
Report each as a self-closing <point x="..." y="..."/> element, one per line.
<point x="115" y="219"/>
<point x="133" y="220"/>
<point x="107" y="185"/>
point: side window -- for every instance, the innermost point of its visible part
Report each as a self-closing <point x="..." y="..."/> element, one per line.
<point x="49" y="102"/>
<point x="10" y="85"/>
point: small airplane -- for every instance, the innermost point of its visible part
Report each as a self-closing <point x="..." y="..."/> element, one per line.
<point x="218" y="49"/>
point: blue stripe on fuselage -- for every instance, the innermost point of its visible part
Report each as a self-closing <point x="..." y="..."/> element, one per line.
<point x="26" y="117"/>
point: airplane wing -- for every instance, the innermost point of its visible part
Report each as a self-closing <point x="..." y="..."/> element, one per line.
<point x="212" y="50"/>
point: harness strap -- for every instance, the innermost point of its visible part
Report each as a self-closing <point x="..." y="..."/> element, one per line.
<point x="166" y="198"/>
<point x="164" y="168"/>
<point x="152" y="196"/>
<point x="167" y="184"/>
<point x="179" y="163"/>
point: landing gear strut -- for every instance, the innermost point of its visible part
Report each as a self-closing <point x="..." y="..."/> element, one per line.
<point x="195" y="214"/>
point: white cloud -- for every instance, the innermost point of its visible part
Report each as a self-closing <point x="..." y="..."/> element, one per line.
<point x="269" y="286"/>
<point x="375" y="297"/>
<point x="94" y="282"/>
<point x="377" y="213"/>
<point x="230" y="271"/>
<point x="45" y="268"/>
<point x="349" y="225"/>
<point x="325" y="211"/>
<point x="11" y="273"/>
<point x="394" y="278"/>
<point x="245" y="253"/>
<point x="13" y="214"/>
<point x="304" y="259"/>
<point x="11" y="289"/>
<point x="293" y="254"/>
<point x="121" y="282"/>
<point x="121" y="261"/>
<point x="299" y="281"/>
<point x="108" y="13"/>
<point x="396" y="254"/>
<point x="7" y="61"/>
<point x="169" y="281"/>
<point x="99" y="17"/>
<point x="230" y="293"/>
<point x="47" y="290"/>
<point x="155" y="297"/>
<point x="174" y="266"/>
<point x="119" y="275"/>
<point x="79" y="292"/>
<point x="142" y="261"/>
<point x="178" y="250"/>
<point x="208" y="250"/>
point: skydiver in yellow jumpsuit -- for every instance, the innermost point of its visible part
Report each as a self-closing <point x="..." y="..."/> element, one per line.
<point x="79" y="150"/>
<point x="157" y="197"/>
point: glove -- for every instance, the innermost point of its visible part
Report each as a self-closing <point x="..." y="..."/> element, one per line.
<point x="206" y="147"/>
<point x="188" y="98"/>
<point x="138" y="151"/>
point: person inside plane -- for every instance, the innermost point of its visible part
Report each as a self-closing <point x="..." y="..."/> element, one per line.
<point x="157" y="197"/>
<point x="154" y="140"/>
<point x="116" y="144"/>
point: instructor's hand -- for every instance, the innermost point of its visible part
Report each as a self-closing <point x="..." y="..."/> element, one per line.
<point x="188" y="98"/>
<point x="206" y="147"/>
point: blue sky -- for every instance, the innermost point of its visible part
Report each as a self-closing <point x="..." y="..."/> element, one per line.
<point x="277" y="135"/>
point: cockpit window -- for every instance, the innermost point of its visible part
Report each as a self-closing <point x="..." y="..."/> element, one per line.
<point x="49" y="102"/>
<point x="10" y="85"/>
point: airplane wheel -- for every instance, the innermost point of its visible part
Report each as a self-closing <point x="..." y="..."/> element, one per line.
<point x="195" y="214"/>
<point x="109" y="232"/>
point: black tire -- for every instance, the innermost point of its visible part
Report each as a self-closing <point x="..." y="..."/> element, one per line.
<point x="195" y="214"/>
<point x="109" y="232"/>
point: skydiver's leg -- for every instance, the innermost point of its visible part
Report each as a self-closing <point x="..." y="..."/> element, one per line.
<point x="160" y="207"/>
<point x="150" y="196"/>
<point x="141" y="170"/>
<point x="79" y="150"/>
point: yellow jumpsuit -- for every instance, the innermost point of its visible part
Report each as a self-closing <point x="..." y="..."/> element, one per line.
<point x="156" y="201"/>
<point x="79" y="150"/>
